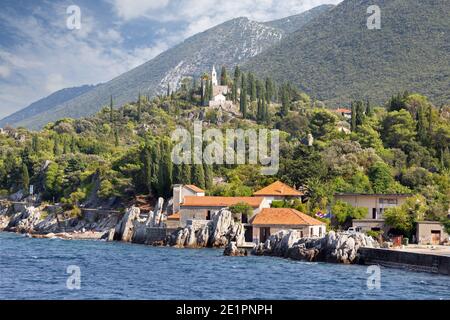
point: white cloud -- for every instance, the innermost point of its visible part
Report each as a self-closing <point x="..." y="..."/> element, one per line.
<point x="131" y="9"/>
<point x="5" y="71"/>
<point x="50" y="57"/>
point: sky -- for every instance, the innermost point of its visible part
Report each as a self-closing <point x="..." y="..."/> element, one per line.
<point x="41" y="51"/>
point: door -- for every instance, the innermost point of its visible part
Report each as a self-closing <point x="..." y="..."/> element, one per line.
<point x="248" y="234"/>
<point x="264" y="233"/>
<point x="435" y="237"/>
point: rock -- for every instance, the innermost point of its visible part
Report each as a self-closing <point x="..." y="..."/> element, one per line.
<point x="217" y="233"/>
<point x="18" y="196"/>
<point x="25" y="222"/>
<point x="232" y="250"/>
<point x="334" y="247"/>
<point x="125" y="228"/>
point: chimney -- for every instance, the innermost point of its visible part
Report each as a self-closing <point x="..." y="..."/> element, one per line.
<point x="177" y="197"/>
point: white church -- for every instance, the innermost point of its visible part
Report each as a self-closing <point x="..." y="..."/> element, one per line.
<point x="219" y="97"/>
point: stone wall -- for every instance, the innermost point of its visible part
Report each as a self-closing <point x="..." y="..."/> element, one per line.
<point x="407" y="260"/>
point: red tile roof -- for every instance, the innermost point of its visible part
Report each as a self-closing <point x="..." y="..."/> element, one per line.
<point x="195" y="188"/>
<point x="175" y="216"/>
<point x="285" y="217"/>
<point x="342" y="110"/>
<point x="221" y="202"/>
<point x="278" y="189"/>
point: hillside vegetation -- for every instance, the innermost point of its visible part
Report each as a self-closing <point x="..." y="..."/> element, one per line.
<point x="108" y="159"/>
<point x="337" y="59"/>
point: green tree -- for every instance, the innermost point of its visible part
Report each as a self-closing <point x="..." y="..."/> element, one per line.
<point x="404" y="217"/>
<point x="344" y="213"/>
<point x="25" y="178"/>
<point x="111" y="110"/>
<point x="223" y="77"/>
<point x="398" y="129"/>
<point x="209" y="175"/>
<point x="198" y="176"/>
<point x="285" y="101"/>
<point x="354" y="123"/>
<point x="139" y="108"/>
<point x="381" y="177"/>
<point x="243" y="99"/>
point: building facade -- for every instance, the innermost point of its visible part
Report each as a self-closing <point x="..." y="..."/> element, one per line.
<point x="278" y="191"/>
<point x="272" y="220"/>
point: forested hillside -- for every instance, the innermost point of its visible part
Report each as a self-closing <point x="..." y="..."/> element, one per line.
<point x="401" y="146"/>
<point x="336" y="58"/>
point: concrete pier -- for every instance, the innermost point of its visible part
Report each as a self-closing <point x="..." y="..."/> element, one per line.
<point x="406" y="260"/>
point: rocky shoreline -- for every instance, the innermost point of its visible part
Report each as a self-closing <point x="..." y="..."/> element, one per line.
<point x="222" y="232"/>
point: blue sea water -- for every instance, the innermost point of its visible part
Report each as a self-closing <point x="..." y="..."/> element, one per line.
<point x="37" y="269"/>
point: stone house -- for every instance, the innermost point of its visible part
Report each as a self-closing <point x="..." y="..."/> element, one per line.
<point x="181" y="191"/>
<point x="278" y="191"/>
<point x="375" y="204"/>
<point x="271" y="220"/>
<point x="204" y="208"/>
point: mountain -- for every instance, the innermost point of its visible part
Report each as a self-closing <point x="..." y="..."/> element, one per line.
<point x="45" y="104"/>
<point x="294" y="23"/>
<point x="336" y="58"/>
<point x="229" y="44"/>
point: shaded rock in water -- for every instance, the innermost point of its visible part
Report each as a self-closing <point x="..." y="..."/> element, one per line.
<point x="25" y="221"/>
<point x="125" y="228"/>
<point x="217" y="233"/>
<point x="232" y="250"/>
<point x="334" y="247"/>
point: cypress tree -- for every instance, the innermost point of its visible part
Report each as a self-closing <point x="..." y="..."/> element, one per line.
<point x="209" y="173"/>
<point x="139" y="111"/>
<point x="165" y="170"/>
<point x="56" y="148"/>
<point x="177" y="174"/>
<point x="198" y="176"/>
<point x="359" y="113"/>
<point x="223" y="77"/>
<point x="203" y="92"/>
<point x="186" y="177"/>
<point x="35" y="144"/>
<point x="111" y="110"/>
<point x="65" y="147"/>
<point x="156" y="160"/>
<point x="116" y="137"/>
<point x="210" y="93"/>
<point x="253" y="90"/>
<point x="73" y="145"/>
<point x="168" y="90"/>
<point x="269" y="90"/>
<point x="243" y="99"/>
<point x="422" y="132"/>
<point x="369" y="108"/>
<point x="430" y="122"/>
<point x="353" y="116"/>
<point x="237" y="74"/>
<point x="25" y="178"/>
<point x="206" y="95"/>
<point x="147" y="169"/>
<point x="285" y="101"/>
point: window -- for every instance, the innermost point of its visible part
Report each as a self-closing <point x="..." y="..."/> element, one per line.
<point x="389" y="201"/>
<point x="320" y="231"/>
